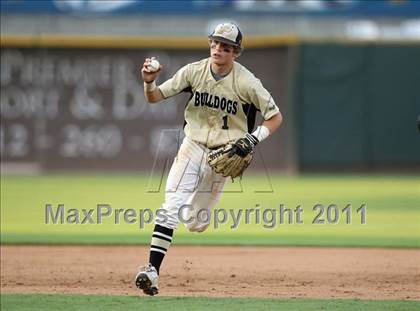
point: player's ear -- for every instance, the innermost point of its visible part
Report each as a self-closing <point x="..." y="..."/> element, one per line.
<point x="238" y="51"/>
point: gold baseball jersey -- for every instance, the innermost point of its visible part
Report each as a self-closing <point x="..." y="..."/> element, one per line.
<point x="219" y="111"/>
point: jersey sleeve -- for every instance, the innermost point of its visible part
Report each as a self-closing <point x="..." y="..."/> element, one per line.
<point x="262" y="99"/>
<point x="177" y="83"/>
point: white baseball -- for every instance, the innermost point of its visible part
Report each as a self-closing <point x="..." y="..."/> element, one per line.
<point x="154" y="65"/>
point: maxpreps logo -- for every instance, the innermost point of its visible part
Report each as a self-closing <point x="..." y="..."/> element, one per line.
<point x="214" y="101"/>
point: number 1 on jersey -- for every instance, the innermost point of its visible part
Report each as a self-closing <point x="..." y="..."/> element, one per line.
<point x="225" y="123"/>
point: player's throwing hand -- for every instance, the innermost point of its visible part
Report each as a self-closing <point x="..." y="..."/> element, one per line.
<point x="148" y="72"/>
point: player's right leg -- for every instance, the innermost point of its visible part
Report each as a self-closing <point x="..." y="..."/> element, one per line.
<point x="182" y="181"/>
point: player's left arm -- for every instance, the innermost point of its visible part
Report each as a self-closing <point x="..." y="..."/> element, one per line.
<point x="246" y="144"/>
<point x="269" y="111"/>
<point x="273" y="123"/>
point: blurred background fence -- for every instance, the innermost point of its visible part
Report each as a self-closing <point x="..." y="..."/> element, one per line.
<point x="345" y="74"/>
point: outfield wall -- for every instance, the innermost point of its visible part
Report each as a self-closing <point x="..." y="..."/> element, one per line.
<point x="76" y="103"/>
<point x="357" y="105"/>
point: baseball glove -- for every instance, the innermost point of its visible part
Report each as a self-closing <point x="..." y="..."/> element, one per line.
<point x="232" y="159"/>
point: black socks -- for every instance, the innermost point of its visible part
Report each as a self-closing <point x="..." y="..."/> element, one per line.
<point x="161" y="240"/>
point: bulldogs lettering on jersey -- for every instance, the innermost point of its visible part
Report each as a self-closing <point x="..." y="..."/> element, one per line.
<point x="216" y="102"/>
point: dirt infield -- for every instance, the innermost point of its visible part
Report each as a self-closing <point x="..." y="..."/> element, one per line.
<point x="276" y="272"/>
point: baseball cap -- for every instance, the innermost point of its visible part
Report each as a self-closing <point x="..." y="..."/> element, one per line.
<point x="227" y="33"/>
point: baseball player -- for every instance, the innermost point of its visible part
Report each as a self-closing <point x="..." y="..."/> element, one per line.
<point x="225" y="97"/>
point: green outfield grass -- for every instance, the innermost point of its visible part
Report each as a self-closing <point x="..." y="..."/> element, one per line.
<point x="392" y="218"/>
<point x="79" y="302"/>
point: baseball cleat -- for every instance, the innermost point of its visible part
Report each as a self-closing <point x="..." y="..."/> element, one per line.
<point x="147" y="279"/>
